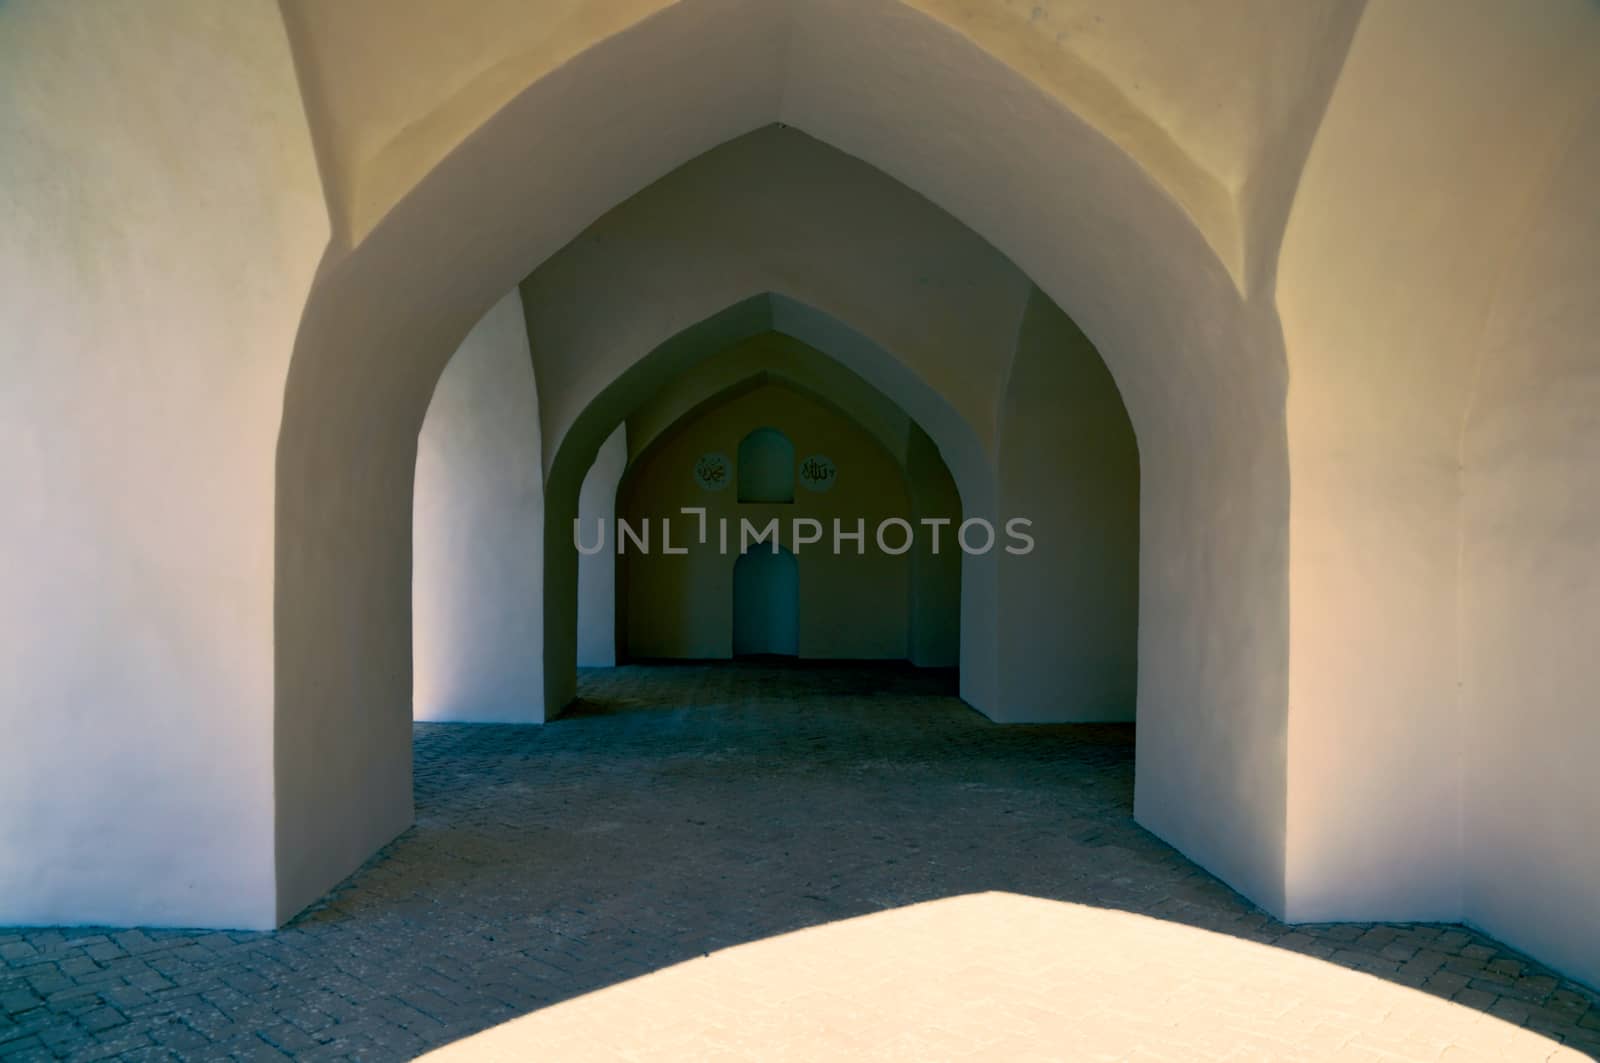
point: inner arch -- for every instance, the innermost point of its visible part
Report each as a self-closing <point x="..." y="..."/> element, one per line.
<point x="744" y="320"/>
<point x="863" y="413"/>
<point x="1200" y="370"/>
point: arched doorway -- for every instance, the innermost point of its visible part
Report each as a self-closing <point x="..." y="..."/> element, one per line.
<point x="766" y="604"/>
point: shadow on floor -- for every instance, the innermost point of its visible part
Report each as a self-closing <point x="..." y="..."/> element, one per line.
<point x="675" y="811"/>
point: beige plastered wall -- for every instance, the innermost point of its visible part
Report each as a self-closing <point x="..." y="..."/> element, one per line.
<point x="935" y="592"/>
<point x="853" y="604"/>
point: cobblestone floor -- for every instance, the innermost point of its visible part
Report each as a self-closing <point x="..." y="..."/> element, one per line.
<point x="680" y="810"/>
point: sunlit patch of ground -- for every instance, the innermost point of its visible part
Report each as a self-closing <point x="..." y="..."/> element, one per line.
<point x="1002" y="976"/>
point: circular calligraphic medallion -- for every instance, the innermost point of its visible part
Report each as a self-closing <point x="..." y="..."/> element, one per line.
<point x="713" y="472"/>
<point x="817" y="473"/>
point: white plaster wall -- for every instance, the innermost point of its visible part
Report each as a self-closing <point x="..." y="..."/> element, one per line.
<point x="398" y="88"/>
<point x="477" y="615"/>
<point x="597" y="573"/>
<point x="1386" y="277"/>
<point x="1069" y="616"/>
<point x="1530" y="595"/>
<point x="161" y="219"/>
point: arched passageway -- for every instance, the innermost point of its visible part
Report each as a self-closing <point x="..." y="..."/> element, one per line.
<point x="862" y="599"/>
<point x="826" y="230"/>
<point x="1343" y="403"/>
<point x="858" y="365"/>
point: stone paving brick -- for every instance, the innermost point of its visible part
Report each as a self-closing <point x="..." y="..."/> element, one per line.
<point x="64" y="1038"/>
<point x="102" y="1019"/>
<point x="25" y="1051"/>
<point x="15" y="1000"/>
<point x="677" y="811"/>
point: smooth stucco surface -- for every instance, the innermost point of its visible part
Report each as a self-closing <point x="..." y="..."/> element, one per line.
<point x="394" y="96"/>
<point x="477" y="612"/>
<point x="1385" y="306"/>
<point x="1530" y="584"/>
<point x="160" y="223"/>
<point x="1069" y="624"/>
<point x="597" y="573"/>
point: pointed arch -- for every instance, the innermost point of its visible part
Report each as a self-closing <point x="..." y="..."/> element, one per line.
<point x="1201" y="372"/>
